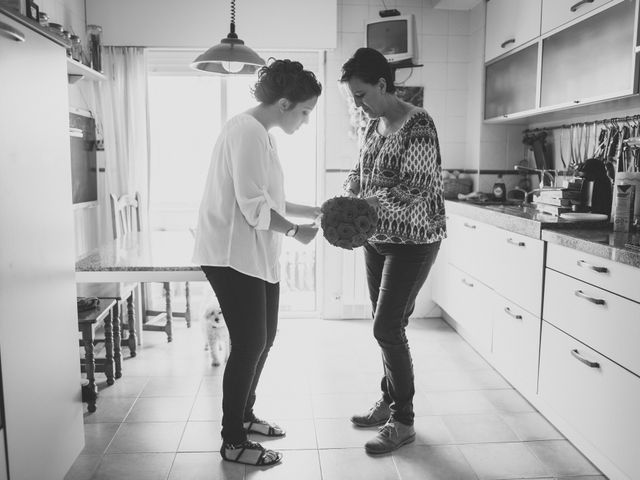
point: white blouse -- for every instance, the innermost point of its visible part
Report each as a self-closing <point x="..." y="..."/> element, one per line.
<point x="244" y="183"/>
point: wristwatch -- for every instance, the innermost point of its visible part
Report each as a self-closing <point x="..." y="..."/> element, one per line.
<point x="292" y="231"/>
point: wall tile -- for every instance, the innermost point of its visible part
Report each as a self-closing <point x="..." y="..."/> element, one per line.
<point x="435" y="22"/>
<point x="434" y="48"/>
<point x="458" y="48"/>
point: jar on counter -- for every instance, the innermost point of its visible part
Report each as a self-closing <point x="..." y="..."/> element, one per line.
<point x="56" y="29"/>
<point x="43" y="19"/>
<point x="66" y="35"/>
<point x="76" y="48"/>
<point x="94" y="46"/>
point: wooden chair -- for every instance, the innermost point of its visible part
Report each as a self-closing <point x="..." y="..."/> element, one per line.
<point x="125" y="217"/>
<point x="88" y="322"/>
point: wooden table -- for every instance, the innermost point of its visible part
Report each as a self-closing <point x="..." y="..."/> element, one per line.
<point x="144" y="257"/>
<point x="156" y="256"/>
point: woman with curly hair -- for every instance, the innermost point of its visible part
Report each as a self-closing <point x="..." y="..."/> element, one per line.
<point x="241" y="222"/>
<point x="399" y="173"/>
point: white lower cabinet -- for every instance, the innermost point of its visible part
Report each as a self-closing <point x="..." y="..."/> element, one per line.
<point x="469" y="303"/>
<point x="597" y="398"/>
<point x="515" y="345"/>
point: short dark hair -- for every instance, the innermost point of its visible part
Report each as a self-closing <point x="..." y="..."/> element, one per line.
<point x="285" y="79"/>
<point x="369" y="65"/>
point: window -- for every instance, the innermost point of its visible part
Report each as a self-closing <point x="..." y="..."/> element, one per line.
<point x="186" y="111"/>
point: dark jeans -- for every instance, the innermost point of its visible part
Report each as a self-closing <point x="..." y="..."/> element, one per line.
<point x="250" y="309"/>
<point x="395" y="274"/>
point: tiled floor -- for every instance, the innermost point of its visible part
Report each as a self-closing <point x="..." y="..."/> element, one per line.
<point x="162" y="419"/>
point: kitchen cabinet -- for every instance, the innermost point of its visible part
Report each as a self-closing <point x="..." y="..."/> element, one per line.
<point x="489" y="283"/>
<point x="556" y="13"/>
<point x="589" y="361"/>
<point x="38" y="320"/>
<point x="587" y="59"/>
<point x="511" y="83"/>
<point x="510" y="23"/>
<point x="591" y="60"/>
<point x="596" y="399"/>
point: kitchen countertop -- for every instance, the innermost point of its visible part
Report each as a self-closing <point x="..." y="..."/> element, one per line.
<point x="595" y="238"/>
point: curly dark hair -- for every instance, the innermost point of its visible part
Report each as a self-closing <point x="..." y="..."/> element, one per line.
<point x="285" y="79"/>
<point x="369" y="65"/>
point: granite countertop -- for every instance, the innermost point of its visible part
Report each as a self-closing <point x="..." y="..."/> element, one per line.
<point x="595" y="238"/>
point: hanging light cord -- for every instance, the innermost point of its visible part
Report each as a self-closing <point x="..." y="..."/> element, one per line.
<point x="232" y="33"/>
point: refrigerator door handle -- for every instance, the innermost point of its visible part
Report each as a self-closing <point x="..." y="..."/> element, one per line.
<point x="11" y="33"/>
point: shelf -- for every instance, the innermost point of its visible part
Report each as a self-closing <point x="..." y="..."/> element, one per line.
<point x="78" y="71"/>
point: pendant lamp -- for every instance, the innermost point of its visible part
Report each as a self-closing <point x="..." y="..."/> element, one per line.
<point x="230" y="56"/>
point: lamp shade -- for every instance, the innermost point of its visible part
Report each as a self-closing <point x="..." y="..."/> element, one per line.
<point x="230" y="57"/>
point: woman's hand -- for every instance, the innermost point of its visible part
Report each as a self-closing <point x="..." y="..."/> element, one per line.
<point x="306" y="233"/>
<point x="374" y="202"/>
<point x="353" y="189"/>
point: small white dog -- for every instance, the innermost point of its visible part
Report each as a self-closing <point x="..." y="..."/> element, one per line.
<point x="216" y="333"/>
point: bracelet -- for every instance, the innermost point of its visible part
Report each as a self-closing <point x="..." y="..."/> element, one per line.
<point x="295" y="232"/>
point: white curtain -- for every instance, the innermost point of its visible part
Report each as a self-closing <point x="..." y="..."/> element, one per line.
<point x="122" y="108"/>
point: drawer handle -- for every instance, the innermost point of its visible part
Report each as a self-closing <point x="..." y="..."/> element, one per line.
<point x="597" y="301"/>
<point x="9" y="32"/>
<point x="517" y="244"/>
<point x="510" y="313"/>
<point x="507" y="42"/>
<point x="579" y="4"/>
<point x="595" y="268"/>
<point x="467" y="283"/>
<point x="588" y="363"/>
<point x="469" y="225"/>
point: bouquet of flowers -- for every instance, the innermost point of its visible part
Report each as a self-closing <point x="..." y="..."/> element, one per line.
<point x="347" y="222"/>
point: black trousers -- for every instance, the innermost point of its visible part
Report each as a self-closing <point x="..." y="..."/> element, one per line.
<point x="395" y="274"/>
<point x="250" y="309"/>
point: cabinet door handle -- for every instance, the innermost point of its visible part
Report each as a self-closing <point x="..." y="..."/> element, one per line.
<point x="507" y="42"/>
<point x="517" y="244"/>
<point x="588" y="363"/>
<point x="466" y="282"/>
<point x="511" y="314"/>
<point x="11" y="33"/>
<point x="581" y="294"/>
<point x="579" y="4"/>
<point x="469" y="225"/>
<point x="595" y="268"/>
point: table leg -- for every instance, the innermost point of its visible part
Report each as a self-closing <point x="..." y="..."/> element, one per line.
<point x="90" y="365"/>
<point x="108" y="343"/>
<point x="167" y="296"/>
<point x="187" y="308"/>
<point x="117" y="329"/>
<point x="131" y="320"/>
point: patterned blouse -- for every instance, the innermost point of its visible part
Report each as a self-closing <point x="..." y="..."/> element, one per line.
<point x="403" y="170"/>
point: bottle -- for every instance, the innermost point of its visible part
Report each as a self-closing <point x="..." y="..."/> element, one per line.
<point x="94" y="34"/>
<point x="499" y="190"/>
<point x="76" y="48"/>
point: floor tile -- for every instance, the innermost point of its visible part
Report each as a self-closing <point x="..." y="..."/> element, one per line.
<point x="479" y="428"/>
<point x="204" y="466"/>
<point x="126" y="386"/>
<point x="417" y="462"/>
<point x="531" y="426"/>
<point x="459" y="402"/>
<point x="562" y="458"/>
<point x="341" y="433"/>
<point x="301" y="435"/>
<point x="295" y="465"/>
<point x="284" y="406"/>
<point x="206" y="409"/>
<point x="138" y="466"/>
<point x="84" y="467"/>
<point x="508" y="401"/>
<point x="147" y="438"/>
<point x="97" y="437"/>
<point x="160" y="409"/>
<point x="109" y="410"/>
<point x="201" y="437"/>
<point x="503" y="461"/>
<point x="354" y="464"/>
<point x="341" y="405"/>
<point x="431" y="430"/>
<point x="171" y="387"/>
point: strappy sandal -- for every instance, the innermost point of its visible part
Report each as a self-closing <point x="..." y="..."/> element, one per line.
<point x="250" y="453"/>
<point x="263" y="427"/>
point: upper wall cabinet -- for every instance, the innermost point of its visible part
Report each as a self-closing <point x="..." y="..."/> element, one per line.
<point x="591" y="60"/>
<point x="558" y="12"/>
<point x="263" y="25"/>
<point x="510" y="23"/>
